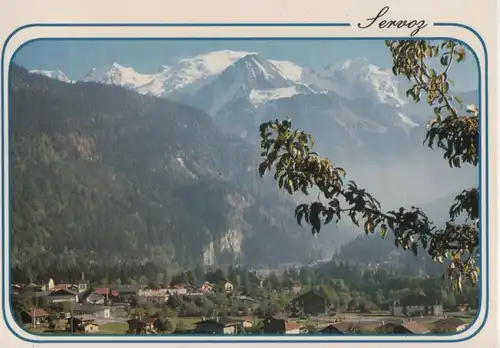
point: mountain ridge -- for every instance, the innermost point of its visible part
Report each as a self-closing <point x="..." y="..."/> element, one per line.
<point x="103" y="174"/>
<point x="353" y="109"/>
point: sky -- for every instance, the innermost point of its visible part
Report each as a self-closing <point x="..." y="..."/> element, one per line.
<point x="76" y="57"/>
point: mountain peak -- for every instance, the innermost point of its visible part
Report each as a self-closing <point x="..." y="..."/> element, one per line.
<point x="357" y="77"/>
<point x="213" y="62"/>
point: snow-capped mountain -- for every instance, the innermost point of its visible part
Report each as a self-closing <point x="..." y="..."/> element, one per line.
<point x="357" y="78"/>
<point x="249" y="77"/>
<point x="241" y="89"/>
<point x="268" y="79"/>
<point x="356" y="111"/>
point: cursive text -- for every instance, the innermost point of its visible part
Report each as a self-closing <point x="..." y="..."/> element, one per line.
<point x="414" y="24"/>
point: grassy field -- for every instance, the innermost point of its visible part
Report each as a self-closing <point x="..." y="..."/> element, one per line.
<point x="114" y="328"/>
<point x="119" y="328"/>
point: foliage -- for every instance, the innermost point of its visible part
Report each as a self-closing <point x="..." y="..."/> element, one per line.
<point x="297" y="168"/>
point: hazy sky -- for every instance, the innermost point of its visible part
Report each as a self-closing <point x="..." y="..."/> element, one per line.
<point x="76" y="57"/>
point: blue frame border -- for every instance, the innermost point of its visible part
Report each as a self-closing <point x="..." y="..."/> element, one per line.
<point x="484" y="248"/>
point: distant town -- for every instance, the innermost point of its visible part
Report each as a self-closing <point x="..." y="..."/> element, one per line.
<point x="257" y="302"/>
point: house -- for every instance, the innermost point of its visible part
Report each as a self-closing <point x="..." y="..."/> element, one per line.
<point x="341" y="328"/>
<point x="62" y="295"/>
<point x="409" y="303"/>
<point x="410" y="328"/>
<point x="90" y="327"/>
<point x="77" y="323"/>
<point x="82" y="286"/>
<point x="221" y="325"/>
<point x="96" y="311"/>
<point x="61" y="287"/>
<point x="178" y="289"/>
<point x="449" y="324"/>
<point x="228" y="286"/>
<point x="141" y="325"/>
<point x="311" y="303"/>
<point x="153" y="295"/>
<point x="35" y="316"/>
<point x="204" y="287"/>
<point x="95" y="299"/>
<point x="126" y="293"/>
<point x="280" y="325"/>
<point x="103" y="292"/>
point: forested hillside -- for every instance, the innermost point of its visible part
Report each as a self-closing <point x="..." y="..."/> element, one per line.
<point x="103" y="174"/>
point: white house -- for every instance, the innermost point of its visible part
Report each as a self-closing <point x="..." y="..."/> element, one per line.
<point x="228" y="286"/>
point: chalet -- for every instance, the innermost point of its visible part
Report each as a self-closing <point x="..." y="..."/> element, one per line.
<point x="35" y="316"/>
<point x="63" y="295"/>
<point x="103" y="292"/>
<point x="61" y="287"/>
<point x="449" y="324"/>
<point x="82" y="286"/>
<point x="153" y="295"/>
<point x="177" y="289"/>
<point x="280" y="325"/>
<point x="222" y="325"/>
<point x="78" y="323"/>
<point x="311" y="303"/>
<point x="228" y="286"/>
<point x="342" y="328"/>
<point x="90" y="327"/>
<point x="410" y="328"/>
<point x="141" y="325"/>
<point x="95" y="299"/>
<point x="409" y="303"/>
<point x="96" y="311"/>
<point x="125" y="293"/>
<point x="204" y="287"/>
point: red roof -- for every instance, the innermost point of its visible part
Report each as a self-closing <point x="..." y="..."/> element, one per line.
<point x="61" y="286"/>
<point x="102" y="291"/>
<point x="114" y="292"/>
<point x="415" y="327"/>
<point x="38" y="312"/>
<point x="291" y="326"/>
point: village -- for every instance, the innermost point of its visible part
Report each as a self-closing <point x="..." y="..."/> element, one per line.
<point x="206" y="308"/>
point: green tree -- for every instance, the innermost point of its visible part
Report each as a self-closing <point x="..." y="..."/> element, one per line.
<point x="297" y="168"/>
